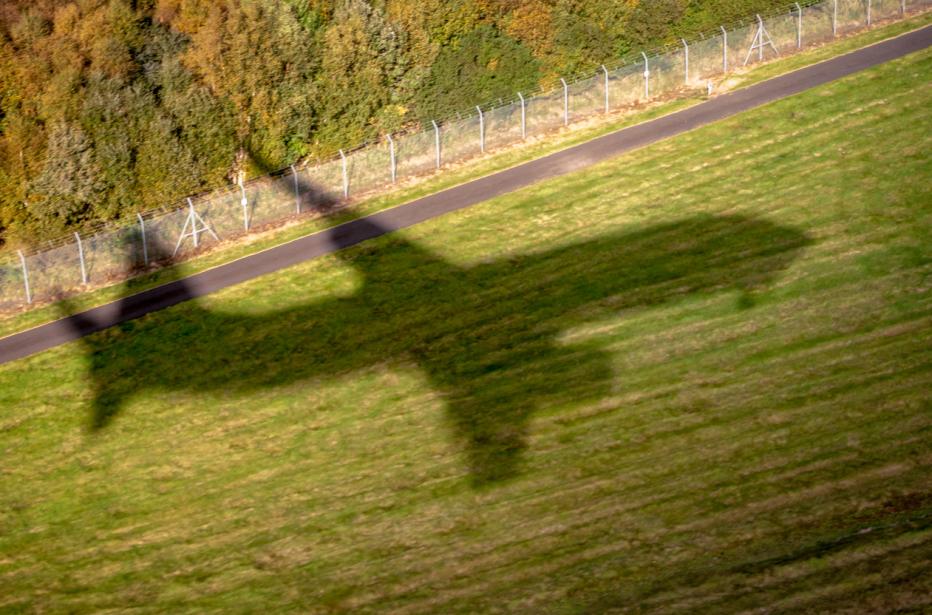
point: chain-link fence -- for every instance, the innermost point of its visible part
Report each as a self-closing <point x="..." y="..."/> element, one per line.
<point x="80" y="262"/>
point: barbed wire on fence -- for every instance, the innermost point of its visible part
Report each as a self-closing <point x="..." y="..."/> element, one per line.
<point x="98" y="254"/>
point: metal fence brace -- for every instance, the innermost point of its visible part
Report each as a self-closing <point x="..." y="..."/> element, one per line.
<point x="761" y="40"/>
<point x="196" y="225"/>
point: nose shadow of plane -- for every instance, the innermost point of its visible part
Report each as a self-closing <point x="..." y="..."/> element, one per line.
<point x="485" y="336"/>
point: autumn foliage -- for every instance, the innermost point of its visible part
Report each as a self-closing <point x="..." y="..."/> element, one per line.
<point x="108" y="107"/>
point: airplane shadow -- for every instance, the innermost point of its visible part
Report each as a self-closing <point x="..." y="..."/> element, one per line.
<point x="485" y="336"/>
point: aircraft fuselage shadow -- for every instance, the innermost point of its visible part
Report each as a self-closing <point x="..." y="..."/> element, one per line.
<point x="485" y="336"/>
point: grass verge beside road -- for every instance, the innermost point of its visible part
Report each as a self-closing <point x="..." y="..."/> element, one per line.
<point x="693" y="378"/>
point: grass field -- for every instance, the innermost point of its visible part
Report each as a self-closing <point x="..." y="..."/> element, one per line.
<point x="692" y="379"/>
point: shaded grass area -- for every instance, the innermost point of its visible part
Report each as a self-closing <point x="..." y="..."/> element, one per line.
<point x="692" y="379"/>
<point x="455" y="176"/>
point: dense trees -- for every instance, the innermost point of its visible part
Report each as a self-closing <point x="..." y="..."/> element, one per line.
<point x="481" y="66"/>
<point x="108" y="107"/>
<point x="363" y="61"/>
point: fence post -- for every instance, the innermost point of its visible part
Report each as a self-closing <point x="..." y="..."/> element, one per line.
<point x="566" y="102"/>
<point x="297" y="190"/>
<point x="834" y="18"/>
<point x="605" y="70"/>
<point x="22" y="260"/>
<point x="245" y="203"/>
<point x="345" y="176"/>
<point x="391" y="156"/>
<point x="523" y="117"/>
<point x="685" y="61"/>
<point x="436" y="142"/>
<point x="142" y="233"/>
<point x="481" y="130"/>
<point x="799" y="26"/>
<point x="868" y="13"/>
<point x="724" y="50"/>
<point x="902" y="8"/>
<point x="77" y="238"/>
<point x="646" y="76"/>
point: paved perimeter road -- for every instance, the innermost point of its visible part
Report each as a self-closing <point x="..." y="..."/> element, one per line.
<point x="55" y="333"/>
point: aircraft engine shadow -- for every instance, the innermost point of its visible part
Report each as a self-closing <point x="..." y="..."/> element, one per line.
<point x="485" y="336"/>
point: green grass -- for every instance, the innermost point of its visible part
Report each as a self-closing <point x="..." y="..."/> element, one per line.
<point x="692" y="379"/>
<point x="11" y="323"/>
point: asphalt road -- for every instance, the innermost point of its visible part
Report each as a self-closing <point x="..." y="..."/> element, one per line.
<point x="58" y="332"/>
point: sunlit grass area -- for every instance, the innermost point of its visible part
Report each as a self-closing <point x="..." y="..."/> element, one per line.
<point x="692" y="379"/>
<point x="449" y="177"/>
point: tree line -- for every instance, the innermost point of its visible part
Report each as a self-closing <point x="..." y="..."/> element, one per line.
<point x="109" y="107"/>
